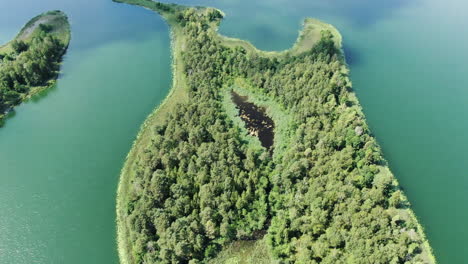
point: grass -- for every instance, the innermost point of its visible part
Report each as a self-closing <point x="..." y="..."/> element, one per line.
<point x="245" y="252"/>
<point x="308" y="37"/>
<point x="240" y="251"/>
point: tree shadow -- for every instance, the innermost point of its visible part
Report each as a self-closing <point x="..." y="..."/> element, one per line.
<point x="33" y="99"/>
<point x="351" y="55"/>
<point x="367" y="12"/>
<point x="40" y="95"/>
<point x="10" y="114"/>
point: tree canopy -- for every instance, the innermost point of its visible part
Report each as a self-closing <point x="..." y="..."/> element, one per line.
<point x="31" y="63"/>
<point x="326" y="198"/>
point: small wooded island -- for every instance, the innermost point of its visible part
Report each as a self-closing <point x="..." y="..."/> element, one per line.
<point x="199" y="187"/>
<point x="30" y="62"/>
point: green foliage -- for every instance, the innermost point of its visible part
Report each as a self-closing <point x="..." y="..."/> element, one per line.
<point x="33" y="65"/>
<point x="326" y="46"/>
<point x="45" y="28"/>
<point x="214" y="15"/>
<point x="323" y="199"/>
<point x="19" y="46"/>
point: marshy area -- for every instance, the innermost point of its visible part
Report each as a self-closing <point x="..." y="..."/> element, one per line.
<point x="257" y="122"/>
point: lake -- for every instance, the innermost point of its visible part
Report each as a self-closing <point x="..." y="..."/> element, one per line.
<point x="61" y="154"/>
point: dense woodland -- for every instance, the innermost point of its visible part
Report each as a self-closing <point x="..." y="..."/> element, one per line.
<point x="30" y="64"/>
<point x="325" y="199"/>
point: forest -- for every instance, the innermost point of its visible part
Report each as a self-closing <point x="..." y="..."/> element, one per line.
<point x="199" y="185"/>
<point x="31" y="61"/>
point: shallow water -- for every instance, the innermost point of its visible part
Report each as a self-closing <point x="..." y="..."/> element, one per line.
<point x="60" y="156"/>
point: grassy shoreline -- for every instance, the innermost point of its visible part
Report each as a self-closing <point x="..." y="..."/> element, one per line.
<point x="176" y="93"/>
<point x="60" y="29"/>
<point x="308" y="36"/>
<point x="49" y="18"/>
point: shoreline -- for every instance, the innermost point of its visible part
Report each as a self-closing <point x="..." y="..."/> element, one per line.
<point x="62" y="32"/>
<point x="122" y="244"/>
<point x="297" y="46"/>
<point x="427" y="251"/>
<point x="31" y="22"/>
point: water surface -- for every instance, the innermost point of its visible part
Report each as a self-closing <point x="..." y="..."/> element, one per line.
<point x="60" y="155"/>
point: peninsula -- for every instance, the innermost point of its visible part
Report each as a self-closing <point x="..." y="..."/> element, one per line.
<point x="30" y="62"/>
<point x="200" y="186"/>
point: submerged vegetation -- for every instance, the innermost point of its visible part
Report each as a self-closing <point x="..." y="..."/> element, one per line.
<point x="30" y="62"/>
<point x="195" y="185"/>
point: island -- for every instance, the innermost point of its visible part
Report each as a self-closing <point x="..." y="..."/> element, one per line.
<point x="259" y="157"/>
<point x="30" y="63"/>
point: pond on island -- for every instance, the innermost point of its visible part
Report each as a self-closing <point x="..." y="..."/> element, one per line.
<point x="256" y="121"/>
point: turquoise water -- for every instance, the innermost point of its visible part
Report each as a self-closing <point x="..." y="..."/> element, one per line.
<point x="60" y="155"/>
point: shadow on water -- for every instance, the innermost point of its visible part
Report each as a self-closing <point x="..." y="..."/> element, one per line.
<point x="351" y="55"/>
<point x="37" y="97"/>
<point x="11" y="113"/>
<point x="367" y="12"/>
<point x="34" y="99"/>
<point x="271" y="28"/>
<point x="148" y="25"/>
<point x="256" y="121"/>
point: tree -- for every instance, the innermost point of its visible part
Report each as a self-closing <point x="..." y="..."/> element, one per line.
<point x="19" y="46"/>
